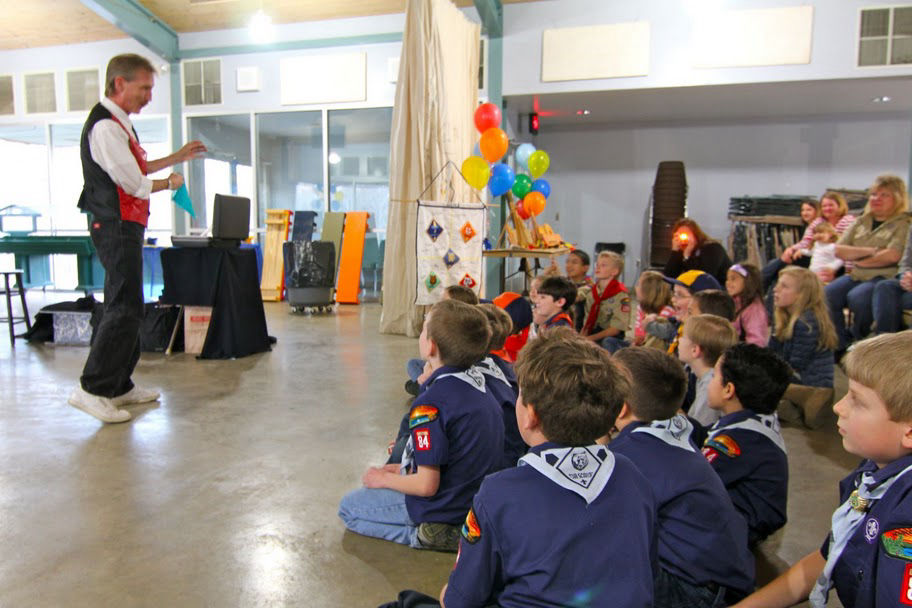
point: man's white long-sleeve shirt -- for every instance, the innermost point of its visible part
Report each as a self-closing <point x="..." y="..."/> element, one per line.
<point x="109" y="145"/>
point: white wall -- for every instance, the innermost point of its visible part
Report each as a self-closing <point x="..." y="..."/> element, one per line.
<point x="601" y="178"/>
<point x="833" y="53"/>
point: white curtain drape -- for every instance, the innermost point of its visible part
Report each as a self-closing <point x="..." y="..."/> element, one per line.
<point x="436" y="96"/>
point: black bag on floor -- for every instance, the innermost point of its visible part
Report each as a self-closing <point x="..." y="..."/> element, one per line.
<point x="157" y="327"/>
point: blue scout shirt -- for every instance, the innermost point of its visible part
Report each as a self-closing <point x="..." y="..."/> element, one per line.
<point x="454" y="424"/>
<point x="701" y="538"/>
<point x="754" y="468"/>
<point x="875" y="569"/>
<point x="528" y="542"/>
<point x="501" y="383"/>
<point x="561" y="319"/>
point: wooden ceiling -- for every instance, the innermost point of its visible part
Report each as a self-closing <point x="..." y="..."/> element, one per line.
<point x="35" y="23"/>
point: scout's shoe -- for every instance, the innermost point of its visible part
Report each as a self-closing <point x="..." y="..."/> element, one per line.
<point x="439" y="537"/>
<point x="136" y="395"/>
<point x="99" y="407"/>
<point x="412" y="388"/>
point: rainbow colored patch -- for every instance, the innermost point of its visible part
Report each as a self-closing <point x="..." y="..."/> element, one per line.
<point x="422" y="414"/>
<point x="471" y="531"/>
<point x="898" y="543"/>
<point x="724" y="445"/>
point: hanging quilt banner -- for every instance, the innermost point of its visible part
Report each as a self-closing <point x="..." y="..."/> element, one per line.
<point x="449" y="248"/>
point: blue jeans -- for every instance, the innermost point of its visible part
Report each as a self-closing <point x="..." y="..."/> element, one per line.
<point x="858" y="296"/>
<point x="380" y="513"/>
<point x="613" y="344"/>
<point x="889" y="302"/>
<point x="674" y="592"/>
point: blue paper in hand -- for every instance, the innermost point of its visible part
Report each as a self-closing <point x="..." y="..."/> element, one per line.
<point x="181" y="198"/>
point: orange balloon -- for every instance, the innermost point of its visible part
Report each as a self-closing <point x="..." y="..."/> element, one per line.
<point x="534" y="203"/>
<point x="493" y="144"/>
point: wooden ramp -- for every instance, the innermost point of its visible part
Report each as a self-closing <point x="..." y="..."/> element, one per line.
<point x="333" y="224"/>
<point x="272" y="285"/>
<point x="348" y="283"/>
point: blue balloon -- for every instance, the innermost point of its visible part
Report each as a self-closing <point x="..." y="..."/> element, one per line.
<point x="502" y="178"/>
<point x="542" y="185"/>
<point x="523" y="152"/>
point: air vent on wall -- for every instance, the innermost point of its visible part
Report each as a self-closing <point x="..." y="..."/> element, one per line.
<point x="202" y="82"/>
<point x="40" y="93"/>
<point x="6" y="95"/>
<point x="82" y="90"/>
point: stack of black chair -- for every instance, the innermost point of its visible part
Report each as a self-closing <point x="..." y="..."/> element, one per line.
<point x="669" y="196"/>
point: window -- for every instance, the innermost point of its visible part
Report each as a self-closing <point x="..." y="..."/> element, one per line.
<point x="227" y="168"/>
<point x="6" y="95"/>
<point x="82" y="90"/>
<point x="885" y="36"/>
<point x="40" y="94"/>
<point x="360" y="182"/>
<point x="290" y="163"/>
<point x="202" y="82"/>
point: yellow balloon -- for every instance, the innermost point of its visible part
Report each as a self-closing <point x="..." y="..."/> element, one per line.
<point x="539" y="161"/>
<point x="476" y="171"/>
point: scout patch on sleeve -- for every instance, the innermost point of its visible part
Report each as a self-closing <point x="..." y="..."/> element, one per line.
<point x="905" y="590"/>
<point x="422" y="440"/>
<point x="625" y="305"/>
<point x="898" y="543"/>
<point x="422" y="414"/>
<point x="723" y="444"/>
<point x="471" y="531"/>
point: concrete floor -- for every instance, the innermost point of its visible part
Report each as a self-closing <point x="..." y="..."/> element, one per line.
<point x="225" y="492"/>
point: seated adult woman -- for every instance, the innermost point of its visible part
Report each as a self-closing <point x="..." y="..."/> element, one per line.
<point x="833" y="209"/>
<point x="875" y="243"/>
<point x="691" y="249"/>
<point x="893" y="296"/>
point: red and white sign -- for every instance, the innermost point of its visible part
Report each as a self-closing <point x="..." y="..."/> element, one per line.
<point x="905" y="593"/>
<point x="422" y="439"/>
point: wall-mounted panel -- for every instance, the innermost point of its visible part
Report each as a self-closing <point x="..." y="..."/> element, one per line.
<point x="314" y="79"/>
<point x="595" y="51"/>
<point x="755" y="37"/>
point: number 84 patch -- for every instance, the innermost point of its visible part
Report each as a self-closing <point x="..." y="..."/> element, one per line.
<point x="905" y="592"/>
<point x="422" y="440"/>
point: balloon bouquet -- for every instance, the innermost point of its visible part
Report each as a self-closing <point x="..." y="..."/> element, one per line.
<point x="485" y="169"/>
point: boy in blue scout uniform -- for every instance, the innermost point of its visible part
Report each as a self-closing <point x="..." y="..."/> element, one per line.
<point x="697" y="520"/>
<point x="456" y="438"/>
<point x="867" y="556"/>
<point x="500" y="381"/>
<point x="574" y="523"/>
<point x="745" y="446"/>
<point x="551" y="305"/>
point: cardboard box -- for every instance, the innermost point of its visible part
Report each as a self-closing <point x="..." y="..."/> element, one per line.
<point x="72" y="328"/>
<point x="196" y="326"/>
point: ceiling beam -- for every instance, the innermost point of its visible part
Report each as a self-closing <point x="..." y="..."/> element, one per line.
<point x="291" y="45"/>
<point x="137" y="21"/>
<point x="491" y="13"/>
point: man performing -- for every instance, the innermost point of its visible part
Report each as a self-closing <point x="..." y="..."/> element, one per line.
<point x="116" y="195"/>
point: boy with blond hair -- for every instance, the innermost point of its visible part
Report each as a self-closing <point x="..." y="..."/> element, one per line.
<point x="866" y="557"/>
<point x="575" y="525"/>
<point x="455" y="439"/>
<point x="697" y="521"/>
<point x="703" y="340"/>
<point x="606" y="307"/>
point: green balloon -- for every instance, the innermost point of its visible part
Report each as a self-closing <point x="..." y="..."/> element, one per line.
<point x="522" y="185"/>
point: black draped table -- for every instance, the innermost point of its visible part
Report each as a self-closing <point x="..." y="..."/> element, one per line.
<point x="226" y="280"/>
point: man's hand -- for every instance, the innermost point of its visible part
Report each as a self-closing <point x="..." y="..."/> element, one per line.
<point x="905" y="281"/>
<point x="193" y="149"/>
<point x="175" y="181"/>
<point x="374" y="477"/>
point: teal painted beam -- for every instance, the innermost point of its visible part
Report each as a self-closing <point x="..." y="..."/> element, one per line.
<point x="496" y="268"/>
<point x="290" y="45"/>
<point x="491" y="13"/>
<point x="177" y="135"/>
<point x="138" y="22"/>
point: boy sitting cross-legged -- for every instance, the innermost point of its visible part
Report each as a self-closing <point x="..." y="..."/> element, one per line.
<point x="698" y="524"/>
<point x="573" y="525"/>
<point x="455" y="438"/>
<point x="866" y="556"/>
<point x="745" y="446"/>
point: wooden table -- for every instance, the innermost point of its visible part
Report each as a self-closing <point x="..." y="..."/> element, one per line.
<point x="524" y="255"/>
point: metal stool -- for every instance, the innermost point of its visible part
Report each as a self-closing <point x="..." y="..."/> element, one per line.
<point x="9" y="302"/>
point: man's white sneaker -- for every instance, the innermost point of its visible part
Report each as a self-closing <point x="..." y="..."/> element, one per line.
<point x="99" y="407"/>
<point x="136" y="395"/>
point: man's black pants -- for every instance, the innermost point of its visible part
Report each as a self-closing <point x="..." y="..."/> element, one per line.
<point x="115" y="350"/>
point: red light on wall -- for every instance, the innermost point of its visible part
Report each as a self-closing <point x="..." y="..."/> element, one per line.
<point x="533" y="123"/>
